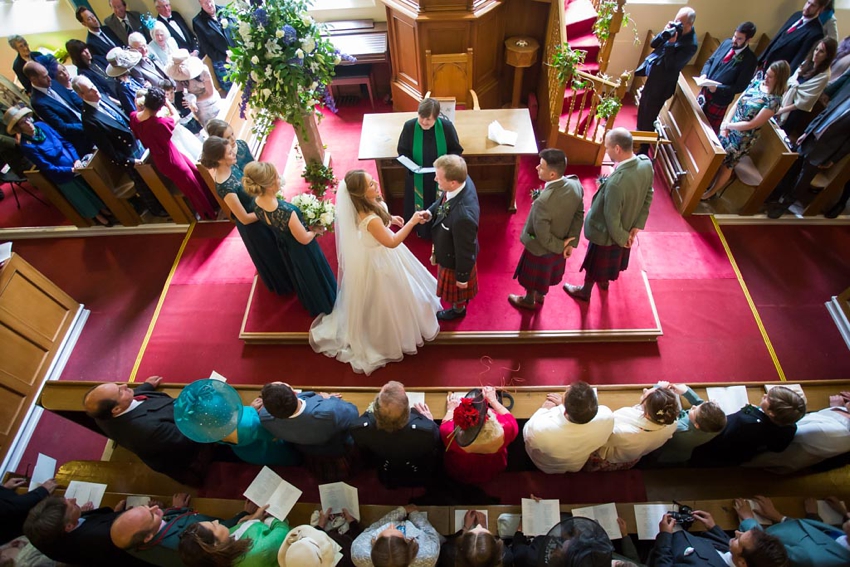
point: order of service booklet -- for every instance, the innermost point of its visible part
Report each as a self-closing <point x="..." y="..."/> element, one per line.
<point x="269" y="488"/>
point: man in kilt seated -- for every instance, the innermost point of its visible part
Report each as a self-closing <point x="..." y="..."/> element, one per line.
<point x="454" y="217"/>
<point x="617" y="213"/>
<point x="551" y="230"/>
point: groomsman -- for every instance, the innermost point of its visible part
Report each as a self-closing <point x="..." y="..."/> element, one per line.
<point x="617" y="213"/>
<point x="99" y="39"/>
<point x="551" y="231"/>
<point x="454" y="219"/>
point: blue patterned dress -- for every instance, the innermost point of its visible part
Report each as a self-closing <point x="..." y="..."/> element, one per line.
<point x="753" y="100"/>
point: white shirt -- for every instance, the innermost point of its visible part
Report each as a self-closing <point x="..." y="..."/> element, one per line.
<point x="548" y="183"/>
<point x="557" y="445"/>
<point x="452" y="194"/>
<point x="634" y="156"/>
<point x="133" y="405"/>
<point x="55" y="96"/>
<point x="634" y="436"/>
<point x="104" y="37"/>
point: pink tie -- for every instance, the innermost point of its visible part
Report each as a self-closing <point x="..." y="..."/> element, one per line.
<point x="797" y="25"/>
<point x="729" y="55"/>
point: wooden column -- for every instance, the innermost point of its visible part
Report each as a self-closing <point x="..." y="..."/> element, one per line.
<point x="520" y="52"/>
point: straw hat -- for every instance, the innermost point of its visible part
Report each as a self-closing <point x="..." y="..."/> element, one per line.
<point x="305" y="546"/>
<point x="183" y="66"/>
<point x="121" y="60"/>
<point x="14" y="115"/>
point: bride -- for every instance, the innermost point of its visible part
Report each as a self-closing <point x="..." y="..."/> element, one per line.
<point x="387" y="300"/>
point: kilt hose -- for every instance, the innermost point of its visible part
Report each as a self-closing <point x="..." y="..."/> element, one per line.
<point x="713" y="112"/>
<point x="447" y="287"/>
<point x="539" y="273"/>
<point x="604" y="263"/>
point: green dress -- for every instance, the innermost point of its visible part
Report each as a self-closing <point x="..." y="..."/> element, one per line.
<point x="243" y="154"/>
<point x="312" y="277"/>
<point x="267" y="541"/>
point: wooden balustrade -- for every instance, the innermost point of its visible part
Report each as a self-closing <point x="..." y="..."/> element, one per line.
<point x="606" y="45"/>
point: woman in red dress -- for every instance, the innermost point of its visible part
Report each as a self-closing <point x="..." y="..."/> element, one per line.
<point x="155" y="133"/>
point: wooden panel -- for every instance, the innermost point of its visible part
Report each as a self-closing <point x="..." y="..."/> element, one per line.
<point x="104" y="176"/>
<point x="24" y="300"/>
<point x="23" y="359"/>
<point x="407" y="67"/>
<point x="445" y="37"/>
<point x="55" y="196"/>
<point x="488" y="45"/>
<point x="11" y="407"/>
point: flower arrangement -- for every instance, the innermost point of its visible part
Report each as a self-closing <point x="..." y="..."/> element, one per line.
<point x="609" y="105"/>
<point x="281" y="60"/>
<point x="566" y="61"/>
<point x="466" y="415"/>
<point x="320" y="177"/>
<point x="147" y="20"/>
<point x="536" y="193"/>
<point x="315" y="210"/>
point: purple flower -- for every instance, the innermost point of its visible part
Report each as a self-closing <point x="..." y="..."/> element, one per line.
<point x="261" y="17"/>
<point x="246" y="95"/>
<point x="328" y="99"/>
<point x="296" y="61"/>
<point x="289" y="34"/>
<point x="345" y="57"/>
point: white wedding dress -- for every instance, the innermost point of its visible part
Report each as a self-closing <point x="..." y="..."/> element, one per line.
<point x="386" y="302"/>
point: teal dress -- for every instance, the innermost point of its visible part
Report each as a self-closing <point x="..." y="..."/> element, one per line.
<point x="312" y="277"/>
<point x="259" y="447"/>
<point x="243" y="154"/>
<point x="259" y="240"/>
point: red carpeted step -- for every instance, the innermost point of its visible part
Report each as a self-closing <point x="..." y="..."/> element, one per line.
<point x="586" y="42"/>
<point x="579" y="17"/>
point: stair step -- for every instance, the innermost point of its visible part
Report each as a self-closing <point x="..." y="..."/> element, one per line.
<point x="586" y="41"/>
<point x="579" y="17"/>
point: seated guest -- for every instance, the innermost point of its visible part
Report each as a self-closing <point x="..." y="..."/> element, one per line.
<point x="148" y="70"/>
<point x="476" y="431"/>
<point x="253" y="542"/>
<point x="713" y="548"/>
<point x="695" y="426"/>
<point x="306" y="546"/>
<point x="58" y="107"/>
<point x="754" y="108"/>
<point x="805" y="88"/>
<point x="142" y="421"/>
<point x="213" y="27"/>
<point x="343" y="535"/>
<point x="473" y="545"/>
<point x="402" y="538"/>
<point x="177" y="26"/>
<point x="21" y="553"/>
<point x="770" y="426"/>
<point x="153" y="535"/>
<point x="405" y="444"/>
<point x="828" y="21"/>
<point x="14" y="507"/>
<point x="638" y="430"/>
<point x="81" y="57"/>
<point x="732" y="64"/>
<point x="57" y="159"/>
<point x="841" y="62"/>
<point x="121" y="62"/>
<point x="99" y="39"/>
<point x="61" y="76"/>
<point x="123" y="22"/>
<point x="796" y="37"/>
<point x="809" y="543"/>
<point x="820" y="435"/>
<point x="194" y="78"/>
<point x="562" y="434"/>
<point x="68" y="533"/>
<point x="317" y="423"/>
<point x="19" y="44"/>
<point x="162" y="46"/>
<point x="222" y="129"/>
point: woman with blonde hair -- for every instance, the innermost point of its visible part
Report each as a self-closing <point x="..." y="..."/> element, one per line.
<point x="402" y="538"/>
<point x="387" y="300"/>
<point x="312" y="277"/>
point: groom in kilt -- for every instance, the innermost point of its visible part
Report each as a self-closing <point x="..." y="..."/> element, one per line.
<point x="618" y="211"/>
<point x="551" y="231"/>
<point x="454" y="228"/>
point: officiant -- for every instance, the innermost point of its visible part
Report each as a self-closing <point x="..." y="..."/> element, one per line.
<point x="423" y="139"/>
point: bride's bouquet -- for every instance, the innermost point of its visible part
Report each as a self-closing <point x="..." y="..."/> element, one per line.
<point x="315" y="210"/>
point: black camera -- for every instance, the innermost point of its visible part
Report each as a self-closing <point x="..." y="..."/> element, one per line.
<point x="673" y="27"/>
<point x="684" y="516"/>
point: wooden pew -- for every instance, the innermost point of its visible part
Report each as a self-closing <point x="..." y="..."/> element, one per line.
<point x="205" y="173"/>
<point x="762" y="44"/>
<point x="831" y="184"/>
<point x="113" y="186"/>
<point x="55" y="196"/>
<point x="174" y="205"/>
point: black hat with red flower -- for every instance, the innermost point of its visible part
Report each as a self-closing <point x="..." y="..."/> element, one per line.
<point x="469" y="417"/>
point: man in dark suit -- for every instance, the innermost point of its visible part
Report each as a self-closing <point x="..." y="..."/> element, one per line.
<point x="824" y="143"/>
<point x="65" y="532"/>
<point x="142" y="421"/>
<point x="796" y="37"/>
<point x="454" y="228"/>
<point x="672" y="49"/>
<point x="99" y="39"/>
<point x="123" y="22"/>
<point x="213" y="39"/>
<point x="146" y="70"/>
<point x="57" y="106"/>
<point x="180" y="30"/>
<point x="551" y="231"/>
<point x="14" y="507"/>
<point x="713" y="548"/>
<point x="732" y="65"/>
<point x="405" y="442"/>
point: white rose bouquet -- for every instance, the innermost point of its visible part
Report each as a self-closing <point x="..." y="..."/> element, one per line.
<point x="315" y="211"/>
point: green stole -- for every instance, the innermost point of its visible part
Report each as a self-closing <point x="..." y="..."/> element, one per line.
<point x="418" y="178"/>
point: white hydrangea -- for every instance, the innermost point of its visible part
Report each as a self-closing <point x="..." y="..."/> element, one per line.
<point x="308" y="44"/>
<point x="326" y="219"/>
<point x="245" y="30"/>
<point x="279" y="34"/>
<point x="299" y="54"/>
<point x="306" y="18"/>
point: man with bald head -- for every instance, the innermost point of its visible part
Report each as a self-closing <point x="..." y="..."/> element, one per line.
<point x="672" y="48"/>
<point x="142" y="421"/>
<point x="404" y="444"/>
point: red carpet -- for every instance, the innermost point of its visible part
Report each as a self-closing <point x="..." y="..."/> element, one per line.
<point x="32" y="213"/>
<point x="791" y="271"/>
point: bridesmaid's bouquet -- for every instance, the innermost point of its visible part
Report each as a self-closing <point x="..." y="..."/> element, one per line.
<point x="315" y="210"/>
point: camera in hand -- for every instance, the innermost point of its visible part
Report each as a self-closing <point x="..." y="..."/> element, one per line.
<point x="672" y="28"/>
<point x="684" y="516"/>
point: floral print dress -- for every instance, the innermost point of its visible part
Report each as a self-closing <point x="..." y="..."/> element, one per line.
<point x="753" y="100"/>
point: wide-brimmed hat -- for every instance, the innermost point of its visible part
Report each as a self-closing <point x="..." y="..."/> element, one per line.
<point x="121" y="60"/>
<point x="184" y="66"/>
<point x="305" y="546"/>
<point x="14" y="115"/>
<point x="207" y="410"/>
<point x="469" y="417"/>
<point x="575" y="542"/>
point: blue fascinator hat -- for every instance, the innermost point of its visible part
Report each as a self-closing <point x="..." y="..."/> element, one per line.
<point x="207" y="410"/>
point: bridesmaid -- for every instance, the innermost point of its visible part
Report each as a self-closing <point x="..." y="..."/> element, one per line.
<point x="220" y="158"/>
<point x="222" y="129"/>
<point x="311" y="275"/>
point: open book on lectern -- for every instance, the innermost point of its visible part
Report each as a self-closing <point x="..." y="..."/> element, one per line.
<point x="411" y="165"/>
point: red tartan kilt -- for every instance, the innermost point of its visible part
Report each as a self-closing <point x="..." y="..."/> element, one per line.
<point x="713" y="112"/>
<point x="539" y="273"/>
<point x="447" y="287"/>
<point x="604" y="263"/>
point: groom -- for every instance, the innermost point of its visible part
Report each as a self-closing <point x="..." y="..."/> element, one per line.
<point x="454" y="229"/>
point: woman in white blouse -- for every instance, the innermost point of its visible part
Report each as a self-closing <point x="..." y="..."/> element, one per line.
<point x="805" y="87"/>
<point x="638" y="430"/>
<point x="403" y="533"/>
<point x="162" y="46"/>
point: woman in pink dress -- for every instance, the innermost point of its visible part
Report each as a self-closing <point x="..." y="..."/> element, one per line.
<point x="155" y="133"/>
